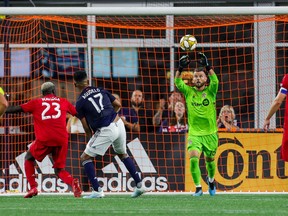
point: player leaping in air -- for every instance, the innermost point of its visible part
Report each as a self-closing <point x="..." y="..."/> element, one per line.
<point x="97" y="109"/>
<point x="201" y="108"/>
<point x="49" y="114"/>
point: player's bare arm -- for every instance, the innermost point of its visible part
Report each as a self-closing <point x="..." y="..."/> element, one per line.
<point x="87" y="129"/>
<point x="211" y="71"/>
<point x="274" y="107"/>
<point x="117" y="105"/>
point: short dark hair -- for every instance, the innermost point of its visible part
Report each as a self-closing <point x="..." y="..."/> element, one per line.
<point x="199" y="69"/>
<point x="80" y="76"/>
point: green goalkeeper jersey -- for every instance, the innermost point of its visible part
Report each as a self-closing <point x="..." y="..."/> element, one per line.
<point x="201" y="106"/>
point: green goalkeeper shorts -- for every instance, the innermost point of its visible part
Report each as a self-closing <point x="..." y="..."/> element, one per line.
<point x="207" y="144"/>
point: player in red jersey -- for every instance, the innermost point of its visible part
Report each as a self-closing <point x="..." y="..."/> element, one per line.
<point x="49" y="114"/>
<point x="274" y="107"/>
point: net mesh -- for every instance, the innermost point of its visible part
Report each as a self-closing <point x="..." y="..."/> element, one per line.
<point x="127" y="53"/>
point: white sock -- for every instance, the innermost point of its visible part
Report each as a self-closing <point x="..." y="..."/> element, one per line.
<point x="139" y="185"/>
<point x="211" y="179"/>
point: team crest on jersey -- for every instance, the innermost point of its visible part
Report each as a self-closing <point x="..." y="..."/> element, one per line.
<point x="204" y="95"/>
<point x="205" y="102"/>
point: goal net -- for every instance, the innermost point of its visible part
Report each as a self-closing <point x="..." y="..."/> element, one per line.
<point x="125" y="53"/>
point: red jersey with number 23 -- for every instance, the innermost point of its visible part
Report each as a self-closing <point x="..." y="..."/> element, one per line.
<point x="49" y="113"/>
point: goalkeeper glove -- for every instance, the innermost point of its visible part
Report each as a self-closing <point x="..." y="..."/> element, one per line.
<point x="184" y="61"/>
<point x="203" y="61"/>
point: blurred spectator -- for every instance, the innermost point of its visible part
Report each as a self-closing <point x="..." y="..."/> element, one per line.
<point x="227" y="118"/>
<point x="137" y="118"/>
<point x="166" y="111"/>
<point x="129" y="117"/>
<point x="178" y="122"/>
<point x="187" y="77"/>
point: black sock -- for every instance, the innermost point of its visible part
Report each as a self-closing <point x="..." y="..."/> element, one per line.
<point x="198" y="189"/>
<point x="129" y="164"/>
<point x="211" y="185"/>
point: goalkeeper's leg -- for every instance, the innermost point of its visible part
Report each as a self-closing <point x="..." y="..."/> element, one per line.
<point x="196" y="174"/>
<point x="210" y="149"/>
<point x="211" y="167"/>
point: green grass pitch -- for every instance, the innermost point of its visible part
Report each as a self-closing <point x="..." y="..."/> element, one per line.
<point x="148" y="204"/>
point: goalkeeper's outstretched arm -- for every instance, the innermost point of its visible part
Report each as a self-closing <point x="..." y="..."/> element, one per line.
<point x="177" y="74"/>
<point x="203" y="60"/>
<point x="184" y="61"/>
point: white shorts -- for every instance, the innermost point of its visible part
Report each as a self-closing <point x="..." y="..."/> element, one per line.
<point x="114" y="134"/>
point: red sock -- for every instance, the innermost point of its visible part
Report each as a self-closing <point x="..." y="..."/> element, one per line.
<point x="30" y="173"/>
<point x="66" y="177"/>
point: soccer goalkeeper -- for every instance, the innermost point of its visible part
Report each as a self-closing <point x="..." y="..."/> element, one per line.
<point x="203" y="131"/>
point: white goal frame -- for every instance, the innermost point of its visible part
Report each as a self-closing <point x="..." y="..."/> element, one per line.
<point x="169" y="12"/>
<point x="264" y="95"/>
<point x="140" y="11"/>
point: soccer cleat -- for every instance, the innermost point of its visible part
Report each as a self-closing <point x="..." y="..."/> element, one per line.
<point x="211" y="187"/>
<point x="198" y="192"/>
<point x="95" y="194"/>
<point x="32" y="192"/>
<point x="138" y="192"/>
<point x="76" y="188"/>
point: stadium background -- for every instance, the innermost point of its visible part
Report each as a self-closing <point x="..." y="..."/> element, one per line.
<point x="249" y="73"/>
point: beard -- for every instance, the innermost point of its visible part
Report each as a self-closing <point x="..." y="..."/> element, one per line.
<point x="199" y="84"/>
<point x="137" y="104"/>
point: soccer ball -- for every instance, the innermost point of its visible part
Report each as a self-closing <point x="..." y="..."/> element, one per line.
<point x="188" y="42"/>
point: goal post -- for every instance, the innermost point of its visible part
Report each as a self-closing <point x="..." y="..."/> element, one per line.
<point x="125" y="49"/>
<point x="144" y="11"/>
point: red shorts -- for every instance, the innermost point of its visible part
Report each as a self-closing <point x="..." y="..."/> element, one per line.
<point x="40" y="150"/>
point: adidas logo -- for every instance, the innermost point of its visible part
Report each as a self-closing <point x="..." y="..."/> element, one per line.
<point x="19" y="183"/>
<point x="121" y="183"/>
<point x="139" y="155"/>
<point x="45" y="166"/>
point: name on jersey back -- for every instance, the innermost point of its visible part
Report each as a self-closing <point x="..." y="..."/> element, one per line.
<point x="89" y="92"/>
<point x="51" y="99"/>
